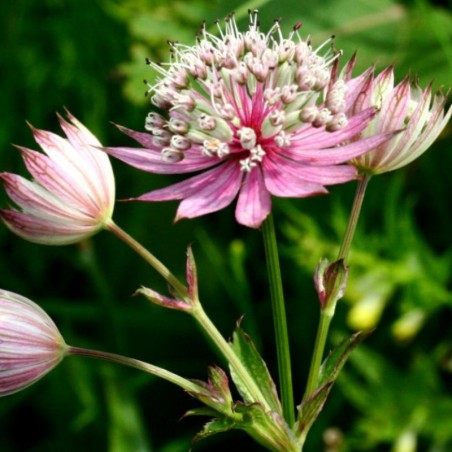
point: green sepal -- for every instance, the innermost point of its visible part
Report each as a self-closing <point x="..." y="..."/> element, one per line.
<point x="245" y="349"/>
<point x="312" y="405"/>
<point x="216" y="393"/>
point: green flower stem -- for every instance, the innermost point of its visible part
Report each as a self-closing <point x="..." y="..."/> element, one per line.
<point x="279" y="319"/>
<point x="140" y="365"/>
<point x="149" y="258"/>
<point x="327" y="314"/>
<point x="225" y="348"/>
<point x="317" y="355"/>
<point x="354" y="216"/>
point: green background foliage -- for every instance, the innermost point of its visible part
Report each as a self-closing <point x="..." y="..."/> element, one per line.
<point x="88" y="56"/>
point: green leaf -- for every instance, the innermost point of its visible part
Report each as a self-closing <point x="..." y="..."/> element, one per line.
<point x="245" y="349"/>
<point x="336" y="359"/>
<point x="218" y="425"/>
<point x="311" y="407"/>
<point x="201" y="411"/>
<point x="126" y="429"/>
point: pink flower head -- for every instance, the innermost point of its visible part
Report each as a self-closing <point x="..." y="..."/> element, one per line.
<point x="30" y="343"/>
<point x="258" y="114"/>
<point x="417" y="113"/>
<point x="72" y="194"/>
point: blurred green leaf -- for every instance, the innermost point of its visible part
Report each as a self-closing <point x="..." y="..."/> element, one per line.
<point x="126" y="430"/>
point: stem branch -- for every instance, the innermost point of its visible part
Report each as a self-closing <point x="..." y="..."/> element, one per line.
<point x="148" y="257"/>
<point x="140" y="365"/>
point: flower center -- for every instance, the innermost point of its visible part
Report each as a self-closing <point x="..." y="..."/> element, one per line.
<point x="236" y="93"/>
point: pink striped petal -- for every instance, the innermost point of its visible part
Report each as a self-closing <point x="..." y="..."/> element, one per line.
<point x="95" y="162"/>
<point x="57" y="179"/>
<point x="215" y="192"/>
<point x="44" y="230"/>
<point x="336" y="155"/>
<point x="320" y="138"/>
<point x="151" y="161"/>
<point x="324" y="175"/>
<point x="187" y="187"/>
<point x="285" y="184"/>
<point x="36" y="200"/>
<point x="254" y="202"/>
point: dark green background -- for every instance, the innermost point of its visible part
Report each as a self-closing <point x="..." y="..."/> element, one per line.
<point x="88" y="56"/>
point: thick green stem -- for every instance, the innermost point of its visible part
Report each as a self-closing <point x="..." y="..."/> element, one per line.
<point x="226" y="350"/>
<point x="140" y="365"/>
<point x="279" y="319"/>
<point x="327" y="313"/>
<point x="148" y="257"/>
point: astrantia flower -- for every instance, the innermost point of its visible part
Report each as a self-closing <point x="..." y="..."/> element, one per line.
<point x="258" y="114"/>
<point x="30" y="343"/>
<point x="418" y="113"/>
<point x="73" y="191"/>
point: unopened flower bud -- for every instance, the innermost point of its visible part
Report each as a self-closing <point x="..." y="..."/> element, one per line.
<point x="30" y="343"/>
<point x="330" y="280"/>
<point x="178" y="126"/>
<point x="180" y="142"/>
<point x="154" y="120"/>
<point x="171" y="155"/>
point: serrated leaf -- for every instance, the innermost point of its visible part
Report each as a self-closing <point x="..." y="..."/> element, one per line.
<point x="245" y="349"/>
<point x="217" y="425"/>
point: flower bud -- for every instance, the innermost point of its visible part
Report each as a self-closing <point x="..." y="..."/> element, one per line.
<point x="30" y="343"/>
<point x="72" y="194"/>
<point x="330" y="280"/>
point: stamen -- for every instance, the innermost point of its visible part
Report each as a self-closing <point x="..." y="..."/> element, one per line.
<point x="171" y="155"/>
<point x="257" y="154"/>
<point x="214" y="147"/>
<point x="180" y="142"/>
<point x="247" y="137"/>
<point x="246" y="165"/>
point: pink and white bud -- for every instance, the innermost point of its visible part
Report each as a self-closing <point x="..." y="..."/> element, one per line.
<point x="418" y="114"/>
<point x="30" y="343"/>
<point x="73" y="191"/>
